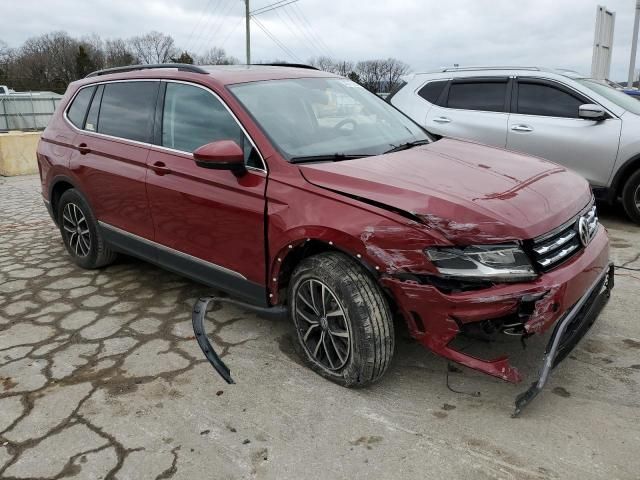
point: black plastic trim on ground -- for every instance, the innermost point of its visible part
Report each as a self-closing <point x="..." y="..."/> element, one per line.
<point x="197" y="319"/>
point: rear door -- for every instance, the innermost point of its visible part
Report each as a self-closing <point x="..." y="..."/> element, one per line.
<point x="474" y="109"/>
<point x="545" y="122"/>
<point x="211" y="222"/>
<point x="113" y="145"/>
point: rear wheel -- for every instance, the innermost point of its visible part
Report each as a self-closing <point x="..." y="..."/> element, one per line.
<point x="631" y="197"/>
<point x="343" y="323"/>
<point x="80" y="232"/>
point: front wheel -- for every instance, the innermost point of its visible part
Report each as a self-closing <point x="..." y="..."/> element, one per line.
<point x="343" y="323"/>
<point x="631" y="197"/>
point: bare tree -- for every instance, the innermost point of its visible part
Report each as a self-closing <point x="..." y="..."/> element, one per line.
<point x="370" y="74"/>
<point x="393" y="70"/>
<point x="47" y="61"/>
<point x="215" y="56"/>
<point x="323" y="63"/>
<point x="153" y="47"/>
<point x="117" y="54"/>
<point x="5" y="52"/>
<point x="380" y="75"/>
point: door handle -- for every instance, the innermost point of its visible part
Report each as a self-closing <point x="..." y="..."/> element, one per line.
<point x="522" y="128"/>
<point x="83" y="149"/>
<point x="160" y="168"/>
<point x="442" y="120"/>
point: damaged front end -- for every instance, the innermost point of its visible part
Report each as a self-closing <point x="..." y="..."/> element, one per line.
<point x="568" y="331"/>
<point x="442" y="322"/>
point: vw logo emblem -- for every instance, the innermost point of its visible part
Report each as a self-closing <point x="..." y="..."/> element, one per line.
<point x="584" y="232"/>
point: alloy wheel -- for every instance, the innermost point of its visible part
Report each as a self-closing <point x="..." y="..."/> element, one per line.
<point x="322" y="325"/>
<point x="76" y="229"/>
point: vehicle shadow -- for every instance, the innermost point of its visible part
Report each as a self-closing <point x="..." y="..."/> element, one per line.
<point x="613" y="216"/>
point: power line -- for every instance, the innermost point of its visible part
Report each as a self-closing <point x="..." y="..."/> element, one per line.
<point x="197" y="24"/>
<point x="207" y="25"/>
<point x="275" y="40"/>
<point x="216" y="26"/>
<point x="290" y="30"/>
<point x="231" y="32"/>
<point x="219" y="24"/>
<point x="304" y="33"/>
<point x="298" y="12"/>
<point x="273" y="6"/>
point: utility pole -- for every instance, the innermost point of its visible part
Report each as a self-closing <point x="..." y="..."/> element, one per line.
<point x="248" y="14"/>
<point x="248" y="30"/>
<point x="634" y="46"/>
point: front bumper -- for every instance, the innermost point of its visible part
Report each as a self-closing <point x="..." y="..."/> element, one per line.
<point x="435" y="318"/>
<point x="569" y="331"/>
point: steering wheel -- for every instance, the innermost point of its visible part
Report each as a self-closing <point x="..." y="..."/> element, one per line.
<point x="346" y="121"/>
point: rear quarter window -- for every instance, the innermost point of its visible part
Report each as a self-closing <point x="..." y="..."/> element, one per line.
<point x="431" y="91"/>
<point x="78" y="109"/>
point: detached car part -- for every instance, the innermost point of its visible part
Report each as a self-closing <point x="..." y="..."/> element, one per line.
<point x="197" y="319"/>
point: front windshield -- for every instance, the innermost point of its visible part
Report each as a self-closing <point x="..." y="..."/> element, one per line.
<point x="309" y="117"/>
<point x="616" y="96"/>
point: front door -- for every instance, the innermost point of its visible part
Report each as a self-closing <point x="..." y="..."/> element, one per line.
<point x="545" y="123"/>
<point x="210" y="222"/>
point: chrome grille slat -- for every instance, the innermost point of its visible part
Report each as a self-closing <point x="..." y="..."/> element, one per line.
<point x="553" y="248"/>
<point x="545" y="262"/>
<point x="554" y="243"/>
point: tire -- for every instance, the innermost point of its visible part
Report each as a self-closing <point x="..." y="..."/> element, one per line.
<point x="356" y="307"/>
<point x="80" y="232"/>
<point x="631" y="197"/>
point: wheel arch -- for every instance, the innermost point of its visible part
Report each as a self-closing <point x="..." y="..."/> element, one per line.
<point x="295" y="251"/>
<point x="59" y="185"/>
<point x="623" y="173"/>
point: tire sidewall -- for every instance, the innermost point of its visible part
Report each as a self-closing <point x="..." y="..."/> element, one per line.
<point x="356" y="315"/>
<point x="628" y="197"/>
<point x="73" y="196"/>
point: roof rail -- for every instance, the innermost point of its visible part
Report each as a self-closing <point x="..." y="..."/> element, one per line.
<point x="467" y="69"/>
<point x="185" y="67"/>
<point x="294" y="65"/>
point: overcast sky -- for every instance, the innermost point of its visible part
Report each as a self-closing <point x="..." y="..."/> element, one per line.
<point x="424" y="33"/>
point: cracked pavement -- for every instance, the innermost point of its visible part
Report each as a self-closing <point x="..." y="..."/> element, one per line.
<point x="101" y="377"/>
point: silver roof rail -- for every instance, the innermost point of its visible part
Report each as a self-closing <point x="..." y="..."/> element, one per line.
<point x="185" y="67"/>
<point x="470" y="69"/>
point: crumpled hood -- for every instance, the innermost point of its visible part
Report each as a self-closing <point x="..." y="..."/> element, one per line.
<point x="467" y="191"/>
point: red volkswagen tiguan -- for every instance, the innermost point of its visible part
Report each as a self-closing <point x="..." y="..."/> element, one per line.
<point x="291" y="188"/>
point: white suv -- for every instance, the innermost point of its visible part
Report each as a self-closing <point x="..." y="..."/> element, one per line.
<point x="560" y="115"/>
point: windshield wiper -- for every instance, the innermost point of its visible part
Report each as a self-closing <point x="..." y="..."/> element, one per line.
<point x="336" y="157"/>
<point x="407" y="146"/>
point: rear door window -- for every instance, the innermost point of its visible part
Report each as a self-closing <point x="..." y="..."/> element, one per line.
<point x="546" y="100"/>
<point x="78" y="109"/>
<point x="488" y="96"/>
<point x="432" y="90"/>
<point x="127" y="110"/>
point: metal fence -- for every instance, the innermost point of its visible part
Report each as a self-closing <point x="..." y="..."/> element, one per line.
<point x="27" y="111"/>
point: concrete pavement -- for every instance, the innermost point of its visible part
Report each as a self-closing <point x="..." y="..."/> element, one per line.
<point x="100" y="377"/>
